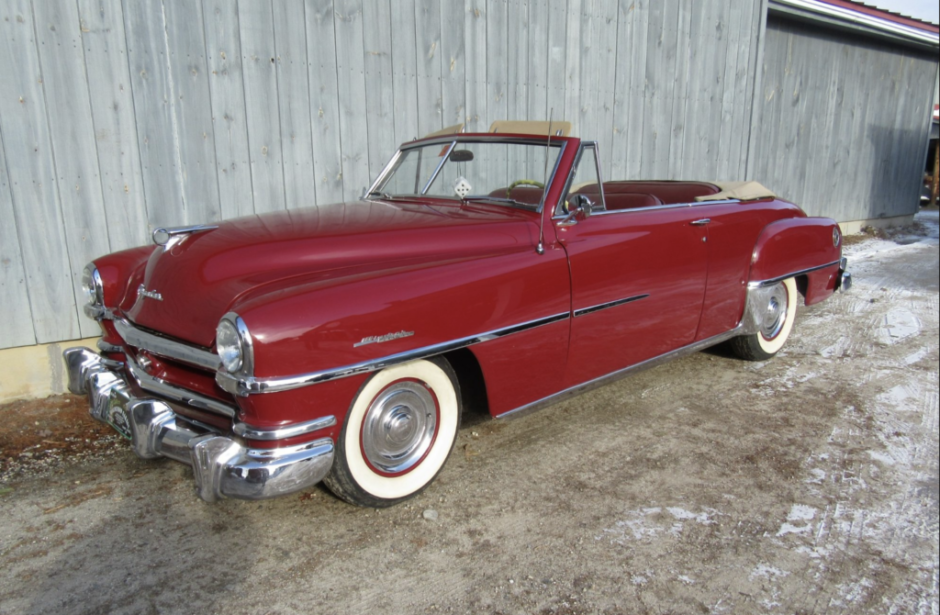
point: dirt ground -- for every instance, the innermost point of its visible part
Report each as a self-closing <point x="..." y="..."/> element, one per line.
<point x="807" y="484"/>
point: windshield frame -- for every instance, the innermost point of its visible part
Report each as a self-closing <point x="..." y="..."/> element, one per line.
<point x="452" y="140"/>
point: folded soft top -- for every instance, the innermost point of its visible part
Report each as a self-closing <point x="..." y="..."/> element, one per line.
<point x="743" y="191"/>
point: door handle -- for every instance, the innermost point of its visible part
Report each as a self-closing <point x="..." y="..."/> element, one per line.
<point x="701" y="222"/>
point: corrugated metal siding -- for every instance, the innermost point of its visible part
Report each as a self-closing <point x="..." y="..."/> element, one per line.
<point x="842" y="122"/>
<point x="116" y="117"/>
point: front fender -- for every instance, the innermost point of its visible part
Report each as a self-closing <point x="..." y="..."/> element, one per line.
<point x="807" y="248"/>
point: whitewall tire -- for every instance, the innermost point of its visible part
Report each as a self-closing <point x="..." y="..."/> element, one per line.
<point x="775" y="317"/>
<point x="398" y="434"/>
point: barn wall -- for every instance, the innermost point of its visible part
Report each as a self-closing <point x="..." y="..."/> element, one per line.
<point x="843" y="121"/>
<point x="120" y="116"/>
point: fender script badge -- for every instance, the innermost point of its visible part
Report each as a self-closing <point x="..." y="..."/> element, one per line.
<point x="149" y="294"/>
<point x="378" y="339"/>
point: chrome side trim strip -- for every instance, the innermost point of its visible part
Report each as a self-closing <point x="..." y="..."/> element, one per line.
<point x="175" y="393"/>
<point x="250" y="386"/>
<point x="772" y="281"/>
<point x="257" y="433"/>
<point x="609" y="304"/>
<point x="617" y="375"/>
<point x="163" y="347"/>
<point x="670" y="206"/>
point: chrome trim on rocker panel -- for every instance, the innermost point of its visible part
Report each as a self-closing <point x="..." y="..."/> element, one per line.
<point x="609" y="304"/>
<point x="617" y="375"/>
<point x="178" y="394"/>
<point x="772" y="281"/>
<point x="163" y="347"/>
<point x="249" y="386"/>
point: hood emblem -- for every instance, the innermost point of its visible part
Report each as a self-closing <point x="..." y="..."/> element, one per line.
<point x="378" y="339"/>
<point x="142" y="292"/>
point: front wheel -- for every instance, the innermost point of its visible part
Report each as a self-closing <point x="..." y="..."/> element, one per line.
<point x="399" y="432"/>
<point x="776" y="313"/>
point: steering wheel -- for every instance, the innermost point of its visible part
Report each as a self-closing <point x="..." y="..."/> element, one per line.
<point x="523" y="182"/>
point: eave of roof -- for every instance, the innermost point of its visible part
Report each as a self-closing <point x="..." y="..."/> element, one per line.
<point x="865" y="18"/>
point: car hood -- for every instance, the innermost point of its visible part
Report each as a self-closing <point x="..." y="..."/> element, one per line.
<point x="194" y="283"/>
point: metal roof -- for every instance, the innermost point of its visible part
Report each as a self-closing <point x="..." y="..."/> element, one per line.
<point x="865" y="18"/>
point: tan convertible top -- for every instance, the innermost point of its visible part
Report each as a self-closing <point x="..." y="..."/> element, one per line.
<point x="559" y="128"/>
<point x="744" y="191"/>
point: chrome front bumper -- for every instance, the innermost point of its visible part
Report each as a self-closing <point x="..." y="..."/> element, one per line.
<point x="222" y="466"/>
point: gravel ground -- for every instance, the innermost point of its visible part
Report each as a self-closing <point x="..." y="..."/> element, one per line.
<point x="807" y="484"/>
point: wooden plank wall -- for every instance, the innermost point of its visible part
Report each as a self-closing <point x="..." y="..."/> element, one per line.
<point x="119" y="116"/>
<point x="842" y="121"/>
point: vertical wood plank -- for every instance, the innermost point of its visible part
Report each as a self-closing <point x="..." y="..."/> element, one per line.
<point x="557" y="48"/>
<point x="453" y="65"/>
<point x="347" y="21"/>
<point x="259" y="61"/>
<point x="379" y="83"/>
<point x="475" y="61"/>
<point x="73" y="140"/>
<point x="227" y="97"/>
<point x="637" y="54"/>
<point x="14" y="296"/>
<point x="497" y="65"/>
<point x="537" y="75"/>
<point x="155" y="112"/>
<point x="678" y="152"/>
<point x="428" y="53"/>
<point x="573" y="69"/>
<point x="517" y="55"/>
<point x="186" y="45"/>
<point x="293" y="96"/>
<point x="617" y="153"/>
<point x="112" y="110"/>
<point x="32" y="178"/>
<point x="588" y="65"/>
<point x="606" y="28"/>
<point x="404" y="73"/>
<point x="324" y="101"/>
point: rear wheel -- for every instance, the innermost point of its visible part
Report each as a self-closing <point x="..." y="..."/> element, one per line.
<point x="776" y="314"/>
<point x="399" y="432"/>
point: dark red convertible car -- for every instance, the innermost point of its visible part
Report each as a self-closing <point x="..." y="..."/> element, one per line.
<point x="340" y="343"/>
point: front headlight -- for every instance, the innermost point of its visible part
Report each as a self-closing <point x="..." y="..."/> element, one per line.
<point x="92" y="288"/>
<point x="233" y="345"/>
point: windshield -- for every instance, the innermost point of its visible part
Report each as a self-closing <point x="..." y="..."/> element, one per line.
<point x="510" y="173"/>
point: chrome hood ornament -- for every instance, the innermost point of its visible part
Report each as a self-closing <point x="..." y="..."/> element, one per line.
<point x="171" y="236"/>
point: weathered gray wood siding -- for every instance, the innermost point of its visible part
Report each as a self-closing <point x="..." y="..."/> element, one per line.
<point x="117" y="116"/>
<point x="842" y="121"/>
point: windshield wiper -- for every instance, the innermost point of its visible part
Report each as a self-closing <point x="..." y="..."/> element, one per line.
<point x="498" y="199"/>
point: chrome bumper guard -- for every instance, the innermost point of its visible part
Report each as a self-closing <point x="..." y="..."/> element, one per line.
<point x="844" y="281"/>
<point x="221" y="465"/>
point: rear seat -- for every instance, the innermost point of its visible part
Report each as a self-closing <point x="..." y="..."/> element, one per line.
<point x="667" y="192"/>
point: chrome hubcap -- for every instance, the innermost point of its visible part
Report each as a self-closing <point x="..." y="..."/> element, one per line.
<point x="775" y="314"/>
<point x="399" y="427"/>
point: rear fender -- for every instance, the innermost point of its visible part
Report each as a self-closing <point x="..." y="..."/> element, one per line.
<point x="808" y="249"/>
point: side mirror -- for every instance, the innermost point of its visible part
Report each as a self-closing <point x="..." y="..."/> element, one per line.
<point x="579" y="204"/>
<point x="583" y="203"/>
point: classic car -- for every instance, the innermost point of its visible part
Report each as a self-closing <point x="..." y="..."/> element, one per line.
<point x="341" y="343"/>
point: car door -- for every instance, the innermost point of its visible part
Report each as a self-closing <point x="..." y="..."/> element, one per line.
<point x="637" y="277"/>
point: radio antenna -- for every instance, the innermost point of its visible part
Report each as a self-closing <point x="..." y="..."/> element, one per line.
<point x="540" y="249"/>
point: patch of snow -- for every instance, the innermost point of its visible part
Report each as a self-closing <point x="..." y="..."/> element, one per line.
<point x="765" y="571"/>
